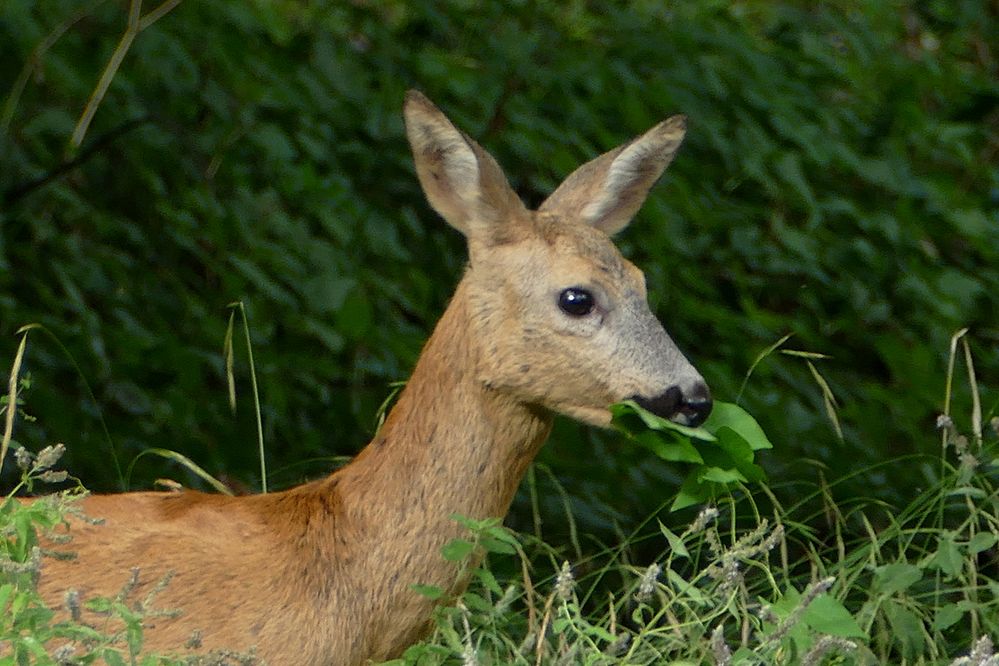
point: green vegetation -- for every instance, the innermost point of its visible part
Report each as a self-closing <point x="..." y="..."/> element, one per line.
<point x="830" y="222"/>
<point x="29" y="631"/>
<point x="750" y="580"/>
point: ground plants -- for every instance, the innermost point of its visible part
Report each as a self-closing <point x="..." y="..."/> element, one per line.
<point x="838" y="182"/>
<point x="751" y="580"/>
<point x="29" y="631"/>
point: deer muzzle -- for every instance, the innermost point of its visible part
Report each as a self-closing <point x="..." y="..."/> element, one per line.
<point x="688" y="405"/>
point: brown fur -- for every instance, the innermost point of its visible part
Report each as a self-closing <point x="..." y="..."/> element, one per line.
<point x="322" y="573"/>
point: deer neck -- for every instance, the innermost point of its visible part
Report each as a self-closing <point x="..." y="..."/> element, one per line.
<point x="450" y="446"/>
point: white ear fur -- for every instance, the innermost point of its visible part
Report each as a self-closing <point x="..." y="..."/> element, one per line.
<point x="607" y="191"/>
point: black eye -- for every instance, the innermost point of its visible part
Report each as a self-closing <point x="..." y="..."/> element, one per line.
<point x="576" y="302"/>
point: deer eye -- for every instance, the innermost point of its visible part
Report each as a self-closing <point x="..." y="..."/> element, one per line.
<point x="576" y="301"/>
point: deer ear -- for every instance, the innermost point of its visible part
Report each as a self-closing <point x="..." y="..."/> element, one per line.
<point x="461" y="180"/>
<point x="607" y="191"/>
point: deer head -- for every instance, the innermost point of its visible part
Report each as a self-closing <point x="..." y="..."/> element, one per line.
<point x="559" y="316"/>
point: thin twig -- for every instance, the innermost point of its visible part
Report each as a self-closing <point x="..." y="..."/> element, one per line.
<point x="136" y="24"/>
<point x="158" y="13"/>
<point x="124" y="44"/>
<point x="94" y="147"/>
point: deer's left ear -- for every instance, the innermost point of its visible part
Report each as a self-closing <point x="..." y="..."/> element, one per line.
<point x="461" y="180"/>
<point x="607" y="191"/>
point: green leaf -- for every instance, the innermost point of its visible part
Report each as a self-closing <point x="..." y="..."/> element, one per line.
<point x="263" y="281"/>
<point x="720" y="475"/>
<point x="685" y="588"/>
<point x="735" y="445"/>
<point x="695" y="491"/>
<point x="494" y="545"/>
<point x="499" y="539"/>
<point x="356" y="316"/>
<point x="675" y="543"/>
<point x="35" y="646"/>
<point x="827" y="615"/>
<point x="906" y="628"/>
<point x="741" y="453"/>
<point x="726" y="414"/>
<point x="25" y="531"/>
<point x="668" y="446"/>
<point x="743" y="656"/>
<point x="191" y="466"/>
<point x="947" y="558"/>
<point x="98" y="605"/>
<point x="476" y="602"/>
<point x="804" y="354"/>
<point x="475" y="525"/>
<point x="113" y="657"/>
<point x="6" y="592"/>
<point x="896" y="577"/>
<point x="947" y="616"/>
<point x="488" y="580"/>
<point x="133" y="633"/>
<point x="274" y="142"/>
<point x="967" y="491"/>
<point x="457" y="550"/>
<point x="597" y="632"/>
<point x="981" y="542"/>
<point x="429" y="591"/>
<point x="788" y="601"/>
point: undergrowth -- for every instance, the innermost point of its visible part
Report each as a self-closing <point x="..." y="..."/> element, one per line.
<point x="750" y="579"/>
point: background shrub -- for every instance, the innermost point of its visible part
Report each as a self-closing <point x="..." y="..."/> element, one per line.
<point x="840" y="182"/>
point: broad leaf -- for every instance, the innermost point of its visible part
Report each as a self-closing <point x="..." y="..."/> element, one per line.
<point x="896" y="577"/>
<point x="727" y="414"/>
<point x="668" y="446"/>
<point x="675" y="543"/>
<point x="827" y="615"/>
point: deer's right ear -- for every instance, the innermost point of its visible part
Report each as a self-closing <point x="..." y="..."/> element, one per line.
<point x="461" y="180"/>
<point x="607" y="191"/>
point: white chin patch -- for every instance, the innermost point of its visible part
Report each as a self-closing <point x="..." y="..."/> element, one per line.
<point x="682" y="419"/>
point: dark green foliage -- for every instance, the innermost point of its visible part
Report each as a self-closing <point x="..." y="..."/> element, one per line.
<point x="839" y="181"/>
<point x="720" y="455"/>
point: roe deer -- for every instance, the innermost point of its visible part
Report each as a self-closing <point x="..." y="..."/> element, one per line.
<point x="548" y="319"/>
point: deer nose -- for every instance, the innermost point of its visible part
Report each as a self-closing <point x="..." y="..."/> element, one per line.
<point x="690" y="407"/>
<point x="695" y="404"/>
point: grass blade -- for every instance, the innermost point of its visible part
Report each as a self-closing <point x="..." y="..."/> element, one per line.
<point x="8" y="428"/>
<point x="759" y="359"/>
<point x="256" y="394"/>
<point x="189" y="464"/>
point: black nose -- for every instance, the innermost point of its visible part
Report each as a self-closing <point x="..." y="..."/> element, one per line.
<point x="689" y="408"/>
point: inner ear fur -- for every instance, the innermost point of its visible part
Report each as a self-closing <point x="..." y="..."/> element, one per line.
<point x="607" y="191"/>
